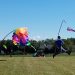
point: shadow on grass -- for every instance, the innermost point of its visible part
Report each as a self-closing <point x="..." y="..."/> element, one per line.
<point x="3" y="60"/>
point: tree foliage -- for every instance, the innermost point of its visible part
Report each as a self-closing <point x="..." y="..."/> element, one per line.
<point x="69" y="43"/>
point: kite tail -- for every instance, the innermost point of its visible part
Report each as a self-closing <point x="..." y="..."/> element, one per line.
<point x="33" y="47"/>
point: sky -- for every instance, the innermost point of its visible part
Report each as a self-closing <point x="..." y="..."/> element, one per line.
<point x="42" y="17"/>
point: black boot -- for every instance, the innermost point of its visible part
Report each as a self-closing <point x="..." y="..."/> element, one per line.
<point x="54" y="55"/>
<point x="69" y="52"/>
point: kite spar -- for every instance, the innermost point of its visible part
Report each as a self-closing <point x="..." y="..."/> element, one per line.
<point x="8" y="34"/>
<point x="63" y="21"/>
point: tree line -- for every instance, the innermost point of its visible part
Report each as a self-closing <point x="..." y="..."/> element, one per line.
<point x="7" y="47"/>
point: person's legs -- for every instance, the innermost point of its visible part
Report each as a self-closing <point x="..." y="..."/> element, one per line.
<point x="65" y="51"/>
<point x="57" y="51"/>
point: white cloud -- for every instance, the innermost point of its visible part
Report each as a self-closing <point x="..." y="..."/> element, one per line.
<point x="37" y="38"/>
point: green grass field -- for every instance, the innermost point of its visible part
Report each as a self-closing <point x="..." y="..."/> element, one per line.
<point x="60" y="65"/>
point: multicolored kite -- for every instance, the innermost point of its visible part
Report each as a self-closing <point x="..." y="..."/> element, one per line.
<point x="20" y="36"/>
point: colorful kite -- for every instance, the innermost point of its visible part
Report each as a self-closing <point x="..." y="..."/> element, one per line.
<point x="20" y="36"/>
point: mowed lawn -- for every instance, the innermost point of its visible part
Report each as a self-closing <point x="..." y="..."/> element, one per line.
<point x="60" y="65"/>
